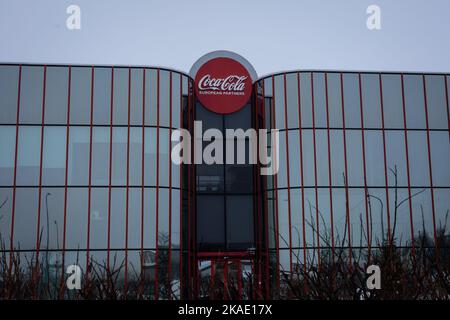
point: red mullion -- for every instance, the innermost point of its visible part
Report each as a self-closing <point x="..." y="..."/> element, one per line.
<point x="41" y="156"/>
<point x="266" y="214"/>
<point x="194" y="190"/>
<point x="301" y="170"/>
<point x="181" y="194"/>
<point x="142" y="181"/>
<point x="257" y="191"/>
<point x="287" y="173"/>
<point x="347" y="206"/>
<point x="66" y="178"/>
<point x="366" y="193"/>
<point x="277" y="233"/>
<point x="169" y="267"/>
<point x="436" y="244"/>
<point x="329" y="168"/>
<point x="157" y="187"/>
<point x="90" y="174"/>
<point x="189" y="187"/>
<point x="127" y="185"/>
<point x="11" y="244"/>
<point x="385" y="162"/>
<point x="315" y="170"/>
<point x="108" y="252"/>
<point x="446" y="100"/>
<point x="408" y="176"/>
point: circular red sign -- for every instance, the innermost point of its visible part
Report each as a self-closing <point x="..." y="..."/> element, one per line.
<point x="223" y="85"/>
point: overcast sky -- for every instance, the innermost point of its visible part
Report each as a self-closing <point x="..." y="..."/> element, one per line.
<point x="273" y="35"/>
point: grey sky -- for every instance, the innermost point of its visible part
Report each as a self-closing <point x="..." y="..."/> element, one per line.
<point x="272" y="35"/>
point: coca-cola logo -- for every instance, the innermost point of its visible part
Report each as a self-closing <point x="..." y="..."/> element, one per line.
<point x="230" y="83"/>
<point x="223" y="85"/>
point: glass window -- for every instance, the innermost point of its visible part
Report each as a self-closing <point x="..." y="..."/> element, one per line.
<point x="374" y="158"/>
<point x="442" y="205"/>
<point x="5" y="213"/>
<point x="136" y="96"/>
<point x="418" y="159"/>
<point x="396" y="158"/>
<point x="210" y="221"/>
<point x="163" y="156"/>
<point x="99" y="218"/>
<point x="337" y="157"/>
<point x="239" y="222"/>
<point x="25" y="218"/>
<point x="334" y="99"/>
<point x="7" y="143"/>
<point x="31" y="94"/>
<point x="52" y="217"/>
<point x="440" y="158"/>
<point x="118" y="216"/>
<point x="351" y="101"/>
<point x="305" y="99"/>
<point x="164" y="98"/>
<point x="80" y="95"/>
<point x="151" y="85"/>
<point x="79" y="156"/>
<point x="322" y="157"/>
<point x="392" y="101"/>
<point x="150" y="157"/>
<point x="120" y="108"/>
<point x="414" y="100"/>
<point x="77" y="213"/>
<point x="422" y="212"/>
<point x="279" y="102"/>
<point x="135" y="215"/>
<point x="150" y="218"/>
<point x="9" y="82"/>
<point x="54" y="162"/>
<point x="100" y="155"/>
<point x="355" y="164"/>
<point x="29" y="152"/>
<point x="102" y="96"/>
<point x="294" y="158"/>
<point x="176" y="100"/>
<point x="119" y="156"/>
<point x="56" y="95"/>
<point x="135" y="165"/>
<point x="320" y="111"/>
<point x="437" y="108"/>
<point x="370" y="88"/>
<point x="292" y="99"/>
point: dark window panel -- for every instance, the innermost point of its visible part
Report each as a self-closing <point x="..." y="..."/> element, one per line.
<point x="210" y="223"/>
<point x="9" y="83"/>
<point x="80" y="95"/>
<point x="7" y="143"/>
<point x="437" y="107"/>
<point x="31" y="94"/>
<point x="120" y="99"/>
<point x="240" y="222"/>
<point x="415" y="107"/>
<point x="56" y="95"/>
<point x="54" y="161"/>
<point x="102" y="96"/>
<point x="370" y="88"/>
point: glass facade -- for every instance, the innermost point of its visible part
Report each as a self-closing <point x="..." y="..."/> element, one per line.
<point x="86" y="172"/>
<point x="85" y="163"/>
<point x="363" y="162"/>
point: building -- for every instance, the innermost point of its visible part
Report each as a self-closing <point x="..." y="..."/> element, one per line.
<point x="86" y="169"/>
